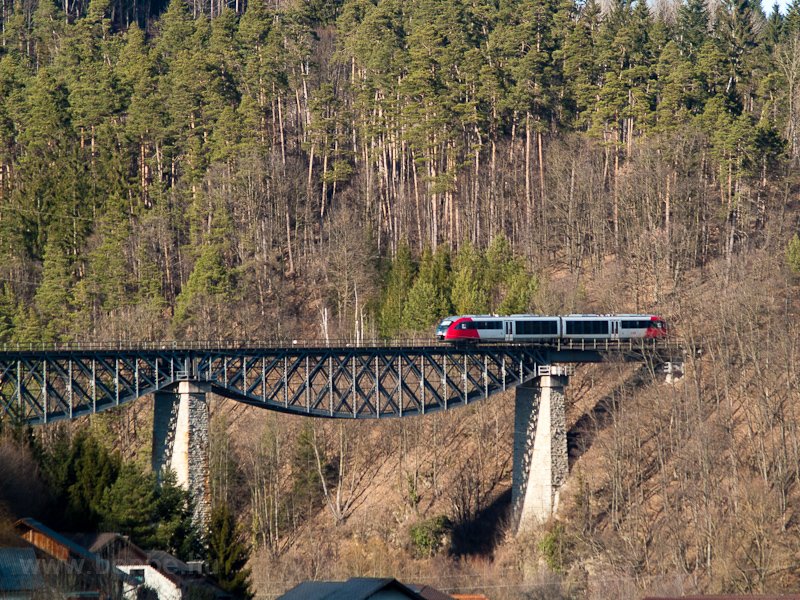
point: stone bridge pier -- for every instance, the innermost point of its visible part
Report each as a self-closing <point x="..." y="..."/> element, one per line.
<point x="180" y="443"/>
<point x="540" y="447"/>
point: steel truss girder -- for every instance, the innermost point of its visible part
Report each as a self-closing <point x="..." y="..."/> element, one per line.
<point x="345" y="382"/>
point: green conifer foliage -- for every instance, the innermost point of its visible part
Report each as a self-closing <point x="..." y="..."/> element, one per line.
<point x="81" y="478"/>
<point x="55" y="294"/>
<point x="108" y="276"/>
<point x="8" y="308"/>
<point x="470" y="293"/>
<point x="792" y="19"/>
<point x="582" y="70"/>
<point x="212" y="275"/>
<point x="793" y="254"/>
<point x="228" y="553"/>
<point x="399" y="282"/>
<point x="692" y="30"/>
<point x="129" y="506"/>
<point x="428" y="299"/>
<point x="511" y="285"/>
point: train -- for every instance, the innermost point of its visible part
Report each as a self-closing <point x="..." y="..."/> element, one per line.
<point x="544" y="328"/>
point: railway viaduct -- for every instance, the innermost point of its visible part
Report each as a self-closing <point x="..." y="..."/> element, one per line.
<point x="41" y="385"/>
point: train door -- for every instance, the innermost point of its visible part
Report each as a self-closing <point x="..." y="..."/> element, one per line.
<point x="508" y="328"/>
<point x="614" y="329"/>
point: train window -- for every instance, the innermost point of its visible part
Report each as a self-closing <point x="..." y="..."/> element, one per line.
<point x="639" y="324"/>
<point x="587" y="327"/>
<point x="537" y="327"/>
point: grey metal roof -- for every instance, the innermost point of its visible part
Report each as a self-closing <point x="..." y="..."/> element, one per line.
<point x="94" y="542"/>
<point x="357" y="588"/>
<point x="430" y="593"/>
<point x="19" y="570"/>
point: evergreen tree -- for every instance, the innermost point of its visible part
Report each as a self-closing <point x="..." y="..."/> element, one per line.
<point x="469" y="293"/>
<point x="228" y="553"/>
<point x="176" y="531"/>
<point x="692" y="29"/>
<point x="399" y="282"/>
<point x="791" y="24"/>
<point x="428" y="299"/>
<point x="773" y="32"/>
<point x="582" y="69"/>
<point x="211" y="276"/>
<point x="511" y="285"/>
<point x="54" y="296"/>
<point x="679" y="90"/>
<point x="129" y="506"/>
<point x="8" y="308"/>
<point x="88" y="470"/>
<point x="738" y="40"/>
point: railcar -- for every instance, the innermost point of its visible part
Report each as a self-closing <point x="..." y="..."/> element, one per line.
<point x="543" y="328"/>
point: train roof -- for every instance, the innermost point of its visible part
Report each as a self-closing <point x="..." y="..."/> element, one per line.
<point x="574" y="315"/>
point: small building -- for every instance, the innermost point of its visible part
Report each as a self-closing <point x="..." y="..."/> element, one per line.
<point x="109" y="565"/>
<point x="69" y="567"/>
<point x="161" y="574"/>
<point x="20" y="578"/>
<point x="361" y="588"/>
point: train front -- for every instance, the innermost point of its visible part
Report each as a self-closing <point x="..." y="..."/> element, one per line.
<point x="441" y="330"/>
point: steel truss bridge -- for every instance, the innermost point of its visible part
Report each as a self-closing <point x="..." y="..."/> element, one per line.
<point x="340" y="380"/>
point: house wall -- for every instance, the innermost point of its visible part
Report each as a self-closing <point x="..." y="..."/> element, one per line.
<point x="47" y="544"/>
<point x="158" y="582"/>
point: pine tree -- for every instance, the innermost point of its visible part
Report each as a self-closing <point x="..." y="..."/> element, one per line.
<point x="176" y="531"/>
<point x="129" y="506"/>
<point x="773" y="32"/>
<point x="792" y="20"/>
<point x="582" y="70"/>
<point x="228" y="553"/>
<point x="739" y="42"/>
<point x="89" y="471"/>
<point x="469" y="292"/>
<point x="54" y="296"/>
<point x="399" y="282"/>
<point x="428" y="299"/>
<point x="692" y="30"/>
<point x="679" y="90"/>
<point x="420" y="312"/>
<point x="8" y="308"/>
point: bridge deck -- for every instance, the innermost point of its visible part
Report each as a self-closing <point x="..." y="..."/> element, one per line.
<point x="371" y="379"/>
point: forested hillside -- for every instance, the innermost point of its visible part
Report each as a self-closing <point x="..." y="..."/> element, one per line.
<point x="360" y="168"/>
<point x="156" y="166"/>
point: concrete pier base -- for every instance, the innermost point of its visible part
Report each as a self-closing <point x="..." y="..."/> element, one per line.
<point x="180" y="443"/>
<point x="540" y="450"/>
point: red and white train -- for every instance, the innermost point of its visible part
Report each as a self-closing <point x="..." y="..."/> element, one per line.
<point x="541" y="328"/>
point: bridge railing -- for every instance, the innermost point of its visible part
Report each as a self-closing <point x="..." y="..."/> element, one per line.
<point x="608" y="345"/>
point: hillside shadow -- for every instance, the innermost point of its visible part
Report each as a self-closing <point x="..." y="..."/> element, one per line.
<point x="582" y="434"/>
<point x="481" y="535"/>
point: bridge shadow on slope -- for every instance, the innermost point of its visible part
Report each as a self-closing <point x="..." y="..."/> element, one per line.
<point x="582" y="434"/>
<point x="481" y="535"/>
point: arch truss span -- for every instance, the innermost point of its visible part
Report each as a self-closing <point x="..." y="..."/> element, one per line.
<point x="41" y="386"/>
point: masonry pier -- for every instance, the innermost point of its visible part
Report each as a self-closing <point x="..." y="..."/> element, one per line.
<point x="540" y="448"/>
<point x="180" y="442"/>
